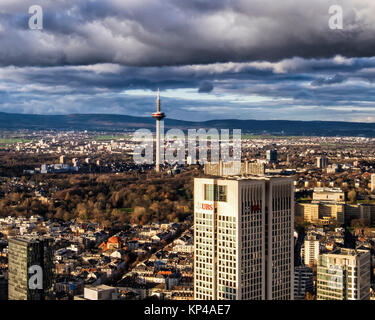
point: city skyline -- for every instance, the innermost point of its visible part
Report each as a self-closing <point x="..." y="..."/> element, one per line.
<point x="249" y="230"/>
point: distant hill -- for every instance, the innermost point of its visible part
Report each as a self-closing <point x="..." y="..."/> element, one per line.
<point x="107" y="122"/>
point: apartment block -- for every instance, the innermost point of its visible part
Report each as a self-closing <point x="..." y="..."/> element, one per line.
<point x="344" y="275"/>
<point x="303" y="282"/>
<point x="311" y="250"/>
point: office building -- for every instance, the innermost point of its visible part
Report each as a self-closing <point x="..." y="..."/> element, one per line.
<point x="271" y="156"/>
<point x="309" y="211"/>
<point x="344" y="275"/>
<point x="324" y="212"/>
<point x="303" y="282"/>
<point x="329" y="194"/>
<point x="26" y="257"/>
<point x="364" y="212"/>
<point x="321" y="212"/>
<point x="243" y="239"/>
<point x="332" y="212"/>
<point x="322" y="162"/>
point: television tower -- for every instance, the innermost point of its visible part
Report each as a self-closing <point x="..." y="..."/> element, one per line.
<point x="158" y="115"/>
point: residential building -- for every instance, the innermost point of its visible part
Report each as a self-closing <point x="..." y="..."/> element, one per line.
<point x="303" y="282"/>
<point x="344" y="275"/>
<point x="311" y="250"/>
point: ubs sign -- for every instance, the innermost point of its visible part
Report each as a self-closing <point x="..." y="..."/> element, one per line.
<point x="202" y="206"/>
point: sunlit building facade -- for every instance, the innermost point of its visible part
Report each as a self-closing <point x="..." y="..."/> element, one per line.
<point x="243" y="238"/>
<point x="344" y="275"/>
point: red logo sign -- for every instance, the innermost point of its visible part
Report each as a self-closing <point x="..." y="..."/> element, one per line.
<point x="206" y="206"/>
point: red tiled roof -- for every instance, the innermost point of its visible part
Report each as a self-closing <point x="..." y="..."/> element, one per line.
<point x="113" y="240"/>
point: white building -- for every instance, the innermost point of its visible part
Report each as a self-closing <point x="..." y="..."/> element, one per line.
<point x="100" y="292"/>
<point x="243" y="238"/>
<point x="311" y="251"/>
<point x="372" y="182"/>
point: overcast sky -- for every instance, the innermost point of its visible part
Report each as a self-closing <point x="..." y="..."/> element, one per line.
<point x="212" y="59"/>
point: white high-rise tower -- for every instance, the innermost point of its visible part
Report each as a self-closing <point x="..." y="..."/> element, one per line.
<point x="243" y="238"/>
<point x="158" y="115"/>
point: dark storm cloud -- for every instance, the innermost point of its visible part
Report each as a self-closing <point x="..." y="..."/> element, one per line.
<point x="304" y="95"/>
<point x="205" y="86"/>
<point x="261" y="59"/>
<point x="286" y="84"/>
<point x="170" y="32"/>
<point x="338" y="78"/>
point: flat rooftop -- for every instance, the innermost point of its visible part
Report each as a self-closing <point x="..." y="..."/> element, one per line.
<point x="349" y="252"/>
<point x="101" y="287"/>
<point x="26" y="239"/>
<point x="328" y="190"/>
